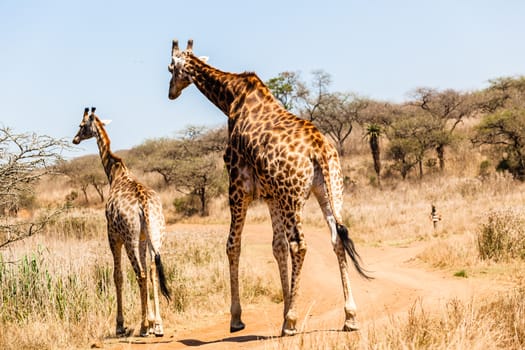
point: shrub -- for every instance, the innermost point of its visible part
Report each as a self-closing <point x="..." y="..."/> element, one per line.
<point x="79" y="224"/>
<point x="502" y="237"/>
<point x="484" y="169"/>
<point x="187" y="205"/>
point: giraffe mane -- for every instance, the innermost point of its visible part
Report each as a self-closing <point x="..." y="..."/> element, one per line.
<point x="253" y="75"/>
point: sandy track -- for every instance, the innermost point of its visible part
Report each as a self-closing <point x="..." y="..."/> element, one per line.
<point x="400" y="281"/>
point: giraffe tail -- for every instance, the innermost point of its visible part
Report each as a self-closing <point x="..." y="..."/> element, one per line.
<point x="162" y="277"/>
<point x="349" y="246"/>
<point x="331" y="171"/>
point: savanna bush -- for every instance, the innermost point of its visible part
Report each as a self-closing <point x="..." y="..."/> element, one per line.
<point x="494" y="323"/>
<point x="502" y="236"/>
<point x="80" y="224"/>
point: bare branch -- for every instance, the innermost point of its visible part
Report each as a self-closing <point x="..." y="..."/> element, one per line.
<point x="24" y="159"/>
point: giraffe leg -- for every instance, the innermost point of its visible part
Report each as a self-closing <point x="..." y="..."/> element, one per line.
<point x="350" y="306"/>
<point x="116" y="250"/>
<point x="147" y="314"/>
<point x="135" y="257"/>
<point x="238" y="210"/>
<point x="297" y="252"/>
<point x="351" y="323"/>
<point x="280" y="252"/>
<point x="157" y="320"/>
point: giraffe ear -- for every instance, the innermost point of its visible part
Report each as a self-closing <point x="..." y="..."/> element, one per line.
<point x="105" y="121"/>
<point x="204" y="58"/>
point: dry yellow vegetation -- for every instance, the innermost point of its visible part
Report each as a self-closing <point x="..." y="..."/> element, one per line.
<point x="57" y="290"/>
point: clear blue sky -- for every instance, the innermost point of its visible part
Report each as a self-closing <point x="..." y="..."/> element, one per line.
<point x="59" y="56"/>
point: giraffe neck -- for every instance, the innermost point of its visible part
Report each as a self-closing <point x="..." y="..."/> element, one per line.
<point x="221" y="88"/>
<point x="110" y="161"/>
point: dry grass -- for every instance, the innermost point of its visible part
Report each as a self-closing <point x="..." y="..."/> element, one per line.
<point x="502" y="237"/>
<point x="57" y="289"/>
<point x="494" y="323"/>
<point x="59" y="293"/>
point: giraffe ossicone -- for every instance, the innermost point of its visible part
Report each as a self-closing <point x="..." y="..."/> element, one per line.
<point x="274" y="155"/>
<point x="134" y="220"/>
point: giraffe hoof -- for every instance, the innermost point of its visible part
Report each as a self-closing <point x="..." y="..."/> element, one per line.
<point x="289" y="324"/>
<point x="289" y="332"/>
<point x="144" y="332"/>
<point x="350" y="326"/>
<point x="122" y="332"/>
<point x="158" y="331"/>
<point x="237" y="327"/>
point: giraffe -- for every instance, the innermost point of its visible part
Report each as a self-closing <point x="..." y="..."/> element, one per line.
<point x="274" y="155"/>
<point x="134" y="219"/>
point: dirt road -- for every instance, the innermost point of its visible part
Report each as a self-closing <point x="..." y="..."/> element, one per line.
<point x="400" y="281"/>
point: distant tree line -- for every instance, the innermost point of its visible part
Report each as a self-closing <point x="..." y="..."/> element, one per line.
<point x="407" y="138"/>
<point x="419" y="131"/>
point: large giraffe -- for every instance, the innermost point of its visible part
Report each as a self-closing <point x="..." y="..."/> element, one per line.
<point x="274" y="155"/>
<point x="134" y="219"/>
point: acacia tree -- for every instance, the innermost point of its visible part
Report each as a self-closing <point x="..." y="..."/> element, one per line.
<point x="447" y="108"/>
<point x="99" y="182"/>
<point x="285" y="88"/>
<point x="156" y="155"/>
<point x="503" y="92"/>
<point x="82" y="174"/>
<point x="201" y="177"/>
<point x="190" y="163"/>
<point x="505" y="130"/>
<point x="312" y="97"/>
<point x="299" y="97"/>
<point x="411" y="136"/>
<point x="24" y="159"/>
<point x="333" y="113"/>
<point x="337" y="115"/>
<point x="504" y="125"/>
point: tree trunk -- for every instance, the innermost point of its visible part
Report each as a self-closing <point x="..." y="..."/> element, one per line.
<point x="165" y="176"/>
<point x="204" y="202"/>
<point x="404" y="169"/>
<point x="340" y="149"/>
<point x="84" y="190"/>
<point x="100" y="191"/>
<point x="440" y="150"/>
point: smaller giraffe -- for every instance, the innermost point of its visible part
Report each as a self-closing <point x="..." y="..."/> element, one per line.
<point x="134" y="219"/>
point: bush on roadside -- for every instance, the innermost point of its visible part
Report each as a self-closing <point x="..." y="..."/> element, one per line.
<point x="502" y="236"/>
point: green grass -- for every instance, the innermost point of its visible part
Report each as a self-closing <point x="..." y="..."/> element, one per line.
<point x="461" y="273"/>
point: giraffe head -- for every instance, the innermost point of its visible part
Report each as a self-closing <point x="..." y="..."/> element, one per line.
<point x="87" y="127"/>
<point x="180" y="79"/>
